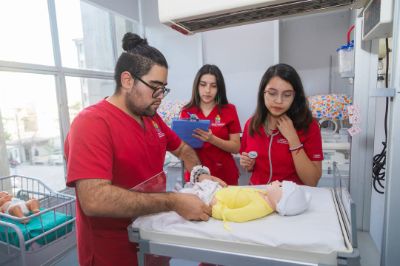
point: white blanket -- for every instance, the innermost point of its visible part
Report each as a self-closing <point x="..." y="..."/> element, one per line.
<point x="317" y="230"/>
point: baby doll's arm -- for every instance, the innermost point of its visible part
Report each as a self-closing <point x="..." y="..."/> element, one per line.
<point x="33" y="205"/>
<point x="16" y="211"/>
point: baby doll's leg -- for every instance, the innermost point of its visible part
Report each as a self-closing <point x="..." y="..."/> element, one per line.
<point x="33" y="205"/>
<point x="17" y="212"/>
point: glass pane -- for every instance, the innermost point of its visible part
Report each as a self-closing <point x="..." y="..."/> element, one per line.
<point x="122" y="26"/>
<point x="31" y="129"/>
<point x="331" y="111"/>
<point x="85" y="35"/>
<point x="83" y="92"/>
<point x="25" y="32"/>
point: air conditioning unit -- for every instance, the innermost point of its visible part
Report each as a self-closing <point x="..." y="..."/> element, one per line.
<point x="378" y="19"/>
<point x="191" y="16"/>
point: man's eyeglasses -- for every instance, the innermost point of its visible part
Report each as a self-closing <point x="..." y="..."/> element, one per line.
<point x="275" y="95"/>
<point x="157" y="90"/>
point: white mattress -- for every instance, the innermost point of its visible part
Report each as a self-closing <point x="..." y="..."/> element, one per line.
<point x="318" y="230"/>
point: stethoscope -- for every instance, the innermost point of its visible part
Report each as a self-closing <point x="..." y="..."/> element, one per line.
<point x="272" y="135"/>
<point x="253" y="154"/>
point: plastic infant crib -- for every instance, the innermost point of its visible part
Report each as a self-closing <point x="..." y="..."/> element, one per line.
<point x="49" y="233"/>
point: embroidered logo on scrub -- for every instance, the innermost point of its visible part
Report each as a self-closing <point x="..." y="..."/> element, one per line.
<point x="217" y="122"/>
<point x="158" y="130"/>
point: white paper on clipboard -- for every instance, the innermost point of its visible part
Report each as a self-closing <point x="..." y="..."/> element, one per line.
<point x="156" y="183"/>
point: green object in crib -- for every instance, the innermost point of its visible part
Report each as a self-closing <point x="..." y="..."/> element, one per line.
<point x="36" y="226"/>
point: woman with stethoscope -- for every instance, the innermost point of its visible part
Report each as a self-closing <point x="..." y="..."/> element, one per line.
<point x="282" y="141"/>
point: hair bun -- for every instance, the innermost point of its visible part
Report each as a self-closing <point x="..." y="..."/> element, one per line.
<point x="131" y="40"/>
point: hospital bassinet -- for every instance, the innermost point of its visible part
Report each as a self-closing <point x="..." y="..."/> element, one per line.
<point x="47" y="236"/>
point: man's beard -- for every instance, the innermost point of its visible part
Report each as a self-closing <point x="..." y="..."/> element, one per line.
<point x="147" y="111"/>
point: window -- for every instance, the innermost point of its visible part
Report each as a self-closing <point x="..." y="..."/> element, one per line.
<point x="85" y="36"/>
<point x="33" y="94"/>
<point x="123" y="26"/>
<point x="83" y="92"/>
<point x="25" y="35"/>
<point x="31" y="127"/>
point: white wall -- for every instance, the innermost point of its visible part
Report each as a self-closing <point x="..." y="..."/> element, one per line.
<point x="243" y="54"/>
<point x="183" y="53"/>
<point x="307" y="43"/>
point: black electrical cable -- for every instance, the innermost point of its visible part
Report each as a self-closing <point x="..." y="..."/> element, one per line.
<point x="379" y="160"/>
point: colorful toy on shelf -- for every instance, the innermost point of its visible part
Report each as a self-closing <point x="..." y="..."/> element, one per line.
<point x="169" y="110"/>
<point x="330" y="106"/>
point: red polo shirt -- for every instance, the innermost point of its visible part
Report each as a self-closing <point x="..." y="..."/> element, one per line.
<point x="104" y="142"/>
<point x="223" y="123"/>
<point x="282" y="161"/>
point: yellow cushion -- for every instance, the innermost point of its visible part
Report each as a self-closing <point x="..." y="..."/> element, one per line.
<point x="236" y="204"/>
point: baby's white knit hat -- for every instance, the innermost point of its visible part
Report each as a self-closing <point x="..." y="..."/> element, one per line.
<point x="295" y="199"/>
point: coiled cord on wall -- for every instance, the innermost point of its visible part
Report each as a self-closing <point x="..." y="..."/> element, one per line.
<point x="379" y="160"/>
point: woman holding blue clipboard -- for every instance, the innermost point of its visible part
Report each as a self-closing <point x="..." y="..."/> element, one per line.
<point x="209" y="102"/>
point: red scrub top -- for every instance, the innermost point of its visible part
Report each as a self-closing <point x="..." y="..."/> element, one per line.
<point x="223" y="123"/>
<point x="104" y="142"/>
<point x="282" y="161"/>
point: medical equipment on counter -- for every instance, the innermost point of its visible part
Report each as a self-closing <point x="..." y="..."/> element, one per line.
<point x="346" y="56"/>
<point x="335" y="156"/>
<point x="325" y="234"/>
<point x="336" y="148"/>
<point x="49" y="234"/>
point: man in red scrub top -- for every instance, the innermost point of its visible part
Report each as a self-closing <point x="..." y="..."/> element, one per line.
<point x="115" y="145"/>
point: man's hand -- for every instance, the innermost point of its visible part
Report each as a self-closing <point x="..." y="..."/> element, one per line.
<point x="191" y="207"/>
<point x="212" y="178"/>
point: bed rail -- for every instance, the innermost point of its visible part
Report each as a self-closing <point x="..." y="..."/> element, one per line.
<point x="346" y="209"/>
<point x="48" y="234"/>
<point x="346" y="205"/>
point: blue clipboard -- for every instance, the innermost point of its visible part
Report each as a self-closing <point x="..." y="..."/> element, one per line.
<point x="184" y="129"/>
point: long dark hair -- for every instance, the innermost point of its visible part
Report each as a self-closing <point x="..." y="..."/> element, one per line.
<point x="138" y="58"/>
<point x="220" y="98"/>
<point x="298" y="112"/>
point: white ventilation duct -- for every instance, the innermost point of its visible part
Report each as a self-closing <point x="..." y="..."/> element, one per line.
<point x="191" y="16"/>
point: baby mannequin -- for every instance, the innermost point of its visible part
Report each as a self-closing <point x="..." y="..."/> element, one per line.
<point x="17" y="207"/>
<point x="241" y="204"/>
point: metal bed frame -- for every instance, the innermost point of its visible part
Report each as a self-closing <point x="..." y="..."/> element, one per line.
<point x="230" y="253"/>
<point x="54" y="243"/>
